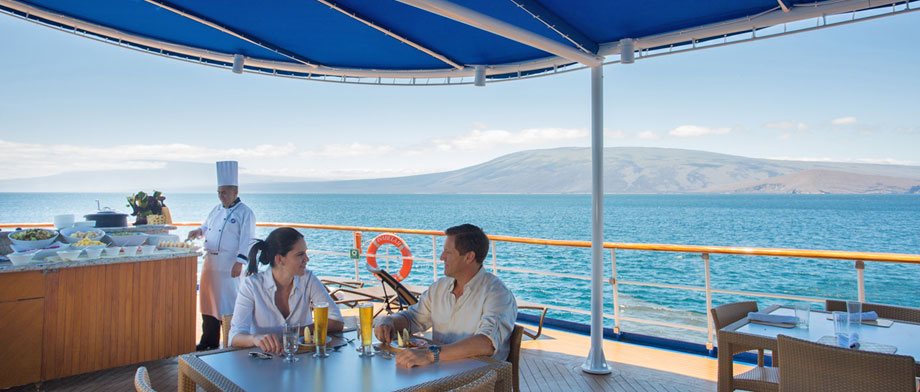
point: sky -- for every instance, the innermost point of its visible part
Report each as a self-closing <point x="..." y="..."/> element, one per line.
<point x="69" y="104"/>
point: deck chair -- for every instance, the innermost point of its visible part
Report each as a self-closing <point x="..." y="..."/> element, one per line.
<point x="813" y="367"/>
<point x="486" y="383"/>
<point x="884" y="311"/>
<point x="759" y="378"/>
<point x="404" y="296"/>
<point x="341" y="282"/>
<point x="142" y="380"/>
<point x="514" y="356"/>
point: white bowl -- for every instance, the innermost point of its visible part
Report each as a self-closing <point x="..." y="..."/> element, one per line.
<point x="23" y="245"/>
<point x="94" y="252"/>
<point x="69" y="255"/>
<point x="147" y="250"/>
<point x="69" y="234"/>
<point x="134" y="239"/>
<point x="63" y="221"/>
<point x="114" y="251"/>
<point x="21" y="258"/>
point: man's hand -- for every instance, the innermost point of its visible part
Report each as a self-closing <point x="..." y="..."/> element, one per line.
<point x="384" y="330"/>
<point x="414" y="357"/>
<point x="237" y="269"/>
<point x="268" y="343"/>
<point x="194" y="234"/>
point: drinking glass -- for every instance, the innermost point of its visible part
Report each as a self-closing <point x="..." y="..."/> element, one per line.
<point x="854" y="313"/>
<point x="842" y="328"/>
<point x="289" y="342"/>
<point x="365" y="328"/>
<point x="803" y="313"/>
<point x="320" y="326"/>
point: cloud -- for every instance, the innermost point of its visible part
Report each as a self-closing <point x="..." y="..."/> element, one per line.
<point x="844" y="121"/>
<point x="487" y="139"/>
<point x="648" y="135"/>
<point x="348" y="150"/>
<point x="696" y="130"/>
<point x="787" y="125"/>
<point x="32" y="159"/>
<point x="614" y="134"/>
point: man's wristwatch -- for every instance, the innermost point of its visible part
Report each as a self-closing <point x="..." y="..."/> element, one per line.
<point x="436" y="352"/>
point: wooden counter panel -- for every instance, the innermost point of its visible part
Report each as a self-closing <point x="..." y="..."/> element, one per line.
<point x="113" y="315"/>
<point x="21" y="334"/>
<point x="21" y="285"/>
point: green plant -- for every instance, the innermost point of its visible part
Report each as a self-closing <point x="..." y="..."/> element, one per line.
<point x="143" y="205"/>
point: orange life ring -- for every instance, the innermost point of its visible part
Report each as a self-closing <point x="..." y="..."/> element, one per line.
<point x="391" y="239"/>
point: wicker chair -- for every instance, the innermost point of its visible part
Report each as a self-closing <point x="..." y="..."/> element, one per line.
<point x="514" y="356"/>
<point x="142" y="380"/>
<point x="759" y="378"/>
<point x="884" y="311"/>
<point x="809" y="366"/>
<point x="486" y="383"/>
<point x="225" y="330"/>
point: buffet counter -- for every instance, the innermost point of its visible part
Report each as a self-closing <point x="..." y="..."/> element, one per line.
<point x="63" y="318"/>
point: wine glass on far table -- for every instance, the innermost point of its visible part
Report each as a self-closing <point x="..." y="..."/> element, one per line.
<point x="289" y="342"/>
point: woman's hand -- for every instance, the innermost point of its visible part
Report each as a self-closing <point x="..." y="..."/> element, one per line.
<point x="268" y="343"/>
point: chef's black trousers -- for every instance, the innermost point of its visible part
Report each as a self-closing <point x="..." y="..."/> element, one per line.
<point x="210" y="333"/>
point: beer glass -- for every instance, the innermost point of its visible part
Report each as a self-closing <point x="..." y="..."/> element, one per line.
<point x="320" y="326"/>
<point x="366" y="320"/>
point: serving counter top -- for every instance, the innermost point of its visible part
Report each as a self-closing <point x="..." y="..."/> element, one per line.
<point x="8" y="267"/>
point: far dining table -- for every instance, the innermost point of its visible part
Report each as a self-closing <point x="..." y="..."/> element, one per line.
<point x="747" y="335"/>
<point x="343" y="370"/>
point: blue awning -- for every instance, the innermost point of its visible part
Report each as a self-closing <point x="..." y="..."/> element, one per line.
<point x="408" y="38"/>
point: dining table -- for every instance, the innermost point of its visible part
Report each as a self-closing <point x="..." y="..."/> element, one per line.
<point x="343" y="370"/>
<point x="900" y="337"/>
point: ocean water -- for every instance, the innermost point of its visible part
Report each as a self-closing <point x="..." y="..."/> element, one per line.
<point x="875" y="223"/>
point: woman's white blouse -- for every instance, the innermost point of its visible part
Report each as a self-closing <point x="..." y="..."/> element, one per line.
<point x="255" y="311"/>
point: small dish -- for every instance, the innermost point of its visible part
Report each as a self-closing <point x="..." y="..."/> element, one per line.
<point x="93" y="252"/>
<point x="147" y="250"/>
<point x="21" y="258"/>
<point x="69" y="255"/>
<point x="114" y="251"/>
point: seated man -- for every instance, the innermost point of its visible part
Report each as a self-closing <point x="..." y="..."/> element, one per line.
<point x="470" y="311"/>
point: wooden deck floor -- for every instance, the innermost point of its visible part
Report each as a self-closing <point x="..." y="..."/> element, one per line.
<point x="552" y="363"/>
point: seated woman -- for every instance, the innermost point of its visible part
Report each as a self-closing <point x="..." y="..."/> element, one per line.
<point x="280" y="295"/>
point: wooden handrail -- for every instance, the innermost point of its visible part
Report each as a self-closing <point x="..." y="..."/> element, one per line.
<point x="733" y="250"/>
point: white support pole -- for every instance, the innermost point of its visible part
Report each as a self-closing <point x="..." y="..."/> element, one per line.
<point x="710" y="327"/>
<point x="434" y="258"/>
<point x="860" y="280"/>
<point x="614" y="281"/>
<point x="596" y="363"/>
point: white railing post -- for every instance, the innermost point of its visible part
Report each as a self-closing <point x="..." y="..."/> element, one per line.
<point x="494" y="261"/>
<point x="860" y="280"/>
<point x="709" y="326"/>
<point x="616" y="292"/>
<point x="434" y="258"/>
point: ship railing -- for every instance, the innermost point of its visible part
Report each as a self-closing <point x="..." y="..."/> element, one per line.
<point x="858" y="260"/>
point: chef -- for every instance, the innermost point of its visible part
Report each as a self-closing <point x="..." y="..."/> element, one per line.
<point x="228" y="234"/>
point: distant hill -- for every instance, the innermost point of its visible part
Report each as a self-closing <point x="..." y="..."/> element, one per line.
<point x="824" y="181"/>
<point x="633" y="170"/>
<point x="629" y="170"/>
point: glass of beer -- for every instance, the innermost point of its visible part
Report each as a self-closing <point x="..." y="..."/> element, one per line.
<point x="320" y="326"/>
<point x="366" y="319"/>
